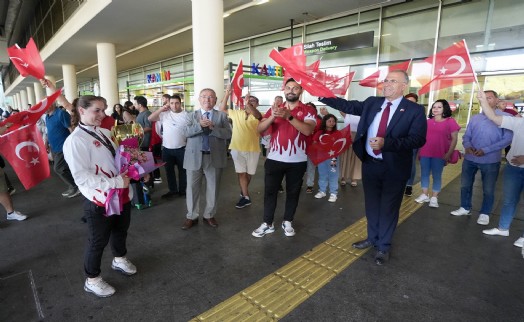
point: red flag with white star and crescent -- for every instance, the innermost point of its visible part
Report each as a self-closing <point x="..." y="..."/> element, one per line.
<point x="329" y="145"/>
<point x="236" y="85"/>
<point x="27" y="60"/>
<point x="25" y="151"/>
<point x="452" y="67"/>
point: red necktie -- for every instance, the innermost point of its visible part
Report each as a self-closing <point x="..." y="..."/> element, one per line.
<point x="382" y="126"/>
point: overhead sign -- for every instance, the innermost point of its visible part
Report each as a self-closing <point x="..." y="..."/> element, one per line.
<point x="356" y="41"/>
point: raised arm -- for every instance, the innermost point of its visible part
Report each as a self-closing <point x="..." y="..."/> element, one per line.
<point x="488" y="111"/>
<point x="223" y="105"/>
<point x="61" y="99"/>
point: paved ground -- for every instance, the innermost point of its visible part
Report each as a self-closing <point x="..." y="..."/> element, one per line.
<point x="442" y="267"/>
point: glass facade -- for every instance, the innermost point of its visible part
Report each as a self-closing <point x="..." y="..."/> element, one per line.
<point x="492" y="29"/>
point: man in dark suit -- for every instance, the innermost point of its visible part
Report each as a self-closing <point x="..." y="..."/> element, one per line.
<point x="207" y="133"/>
<point x="390" y="128"/>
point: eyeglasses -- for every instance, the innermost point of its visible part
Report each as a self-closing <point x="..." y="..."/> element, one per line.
<point x="392" y="81"/>
<point x="207" y="97"/>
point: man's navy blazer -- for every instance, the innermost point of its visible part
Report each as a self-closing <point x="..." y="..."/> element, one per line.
<point x="406" y="131"/>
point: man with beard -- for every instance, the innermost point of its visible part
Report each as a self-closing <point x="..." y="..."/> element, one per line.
<point x="289" y="125"/>
<point x="390" y="128"/>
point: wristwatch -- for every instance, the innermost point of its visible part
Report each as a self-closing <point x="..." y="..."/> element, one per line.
<point x="290" y="118"/>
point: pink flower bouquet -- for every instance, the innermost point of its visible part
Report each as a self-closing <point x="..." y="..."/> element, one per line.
<point x="137" y="163"/>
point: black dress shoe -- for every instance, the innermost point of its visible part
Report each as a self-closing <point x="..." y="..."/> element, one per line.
<point x="211" y="222"/>
<point x="363" y="244"/>
<point x="189" y="223"/>
<point x="381" y="257"/>
<point x="168" y="195"/>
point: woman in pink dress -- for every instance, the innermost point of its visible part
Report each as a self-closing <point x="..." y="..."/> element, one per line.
<point x="441" y="140"/>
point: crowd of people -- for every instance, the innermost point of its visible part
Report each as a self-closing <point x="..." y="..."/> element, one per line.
<point x="390" y="134"/>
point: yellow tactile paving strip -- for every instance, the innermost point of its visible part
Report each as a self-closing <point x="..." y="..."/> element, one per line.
<point x="274" y="296"/>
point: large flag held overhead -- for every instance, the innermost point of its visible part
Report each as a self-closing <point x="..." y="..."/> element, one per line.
<point x="309" y="77"/>
<point x="339" y="86"/>
<point x="27" y="60"/>
<point x="236" y="85"/>
<point x="452" y="67"/>
<point x="24" y="149"/>
<point x="329" y="145"/>
<point x="31" y="115"/>
<point x="375" y="79"/>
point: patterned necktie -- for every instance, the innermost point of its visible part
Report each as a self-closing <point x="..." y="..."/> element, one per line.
<point x="382" y="126"/>
<point x="205" y="137"/>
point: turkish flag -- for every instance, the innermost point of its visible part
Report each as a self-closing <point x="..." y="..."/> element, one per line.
<point x="339" y="86"/>
<point x="31" y="115"/>
<point x="24" y="149"/>
<point x="452" y="67"/>
<point x="375" y="79"/>
<point x="27" y="60"/>
<point x="329" y="145"/>
<point x="297" y="71"/>
<point x="237" y="83"/>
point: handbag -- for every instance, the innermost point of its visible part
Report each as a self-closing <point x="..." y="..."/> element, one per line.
<point x="455" y="157"/>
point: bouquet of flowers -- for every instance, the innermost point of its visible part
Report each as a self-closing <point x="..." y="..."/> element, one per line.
<point x="128" y="158"/>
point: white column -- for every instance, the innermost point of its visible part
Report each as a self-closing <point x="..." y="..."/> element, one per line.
<point x="52" y="79"/>
<point x="23" y="100"/>
<point x="30" y="95"/>
<point x="39" y="92"/>
<point x="17" y="101"/>
<point x="107" y="72"/>
<point x="208" y="46"/>
<point x="70" y="86"/>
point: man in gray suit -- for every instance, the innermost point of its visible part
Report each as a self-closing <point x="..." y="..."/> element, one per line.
<point x="206" y="148"/>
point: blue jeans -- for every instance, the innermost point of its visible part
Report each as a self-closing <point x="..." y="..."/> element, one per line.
<point x="310" y="173"/>
<point x="512" y="188"/>
<point x="433" y="166"/>
<point x="489" y="173"/>
<point x="327" y="177"/>
<point x="172" y="158"/>
<point x="413" y="169"/>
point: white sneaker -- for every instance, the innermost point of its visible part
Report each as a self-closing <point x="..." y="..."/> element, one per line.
<point x="496" y="232"/>
<point x="100" y="288"/>
<point x="332" y="197"/>
<point x="433" y="202"/>
<point x="15" y="215"/>
<point x="461" y="212"/>
<point x="73" y="193"/>
<point x="519" y="242"/>
<point x="422" y="198"/>
<point x="288" y="229"/>
<point x="320" y="195"/>
<point x="263" y="230"/>
<point x="483" y="220"/>
<point x="123" y="265"/>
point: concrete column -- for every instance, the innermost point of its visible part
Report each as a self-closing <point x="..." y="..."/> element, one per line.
<point x="39" y="91"/>
<point x="70" y="86"/>
<point x="208" y="46"/>
<point x="23" y="100"/>
<point x="17" y="101"/>
<point x="107" y="72"/>
<point x="52" y="79"/>
<point x="30" y="95"/>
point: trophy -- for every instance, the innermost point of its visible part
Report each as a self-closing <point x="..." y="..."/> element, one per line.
<point x="126" y="131"/>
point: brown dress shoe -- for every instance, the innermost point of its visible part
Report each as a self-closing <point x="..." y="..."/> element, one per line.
<point x="189" y="223"/>
<point x="211" y="222"/>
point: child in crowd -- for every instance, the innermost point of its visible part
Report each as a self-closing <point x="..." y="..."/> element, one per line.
<point x="328" y="170"/>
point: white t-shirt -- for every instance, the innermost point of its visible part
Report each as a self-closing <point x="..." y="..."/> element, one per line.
<point x="515" y="124"/>
<point x="172" y="129"/>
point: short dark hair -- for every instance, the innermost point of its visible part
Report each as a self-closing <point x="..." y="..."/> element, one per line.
<point x="291" y="79"/>
<point x="446" y="109"/>
<point x="141" y="100"/>
<point x="413" y="95"/>
<point x="176" y="97"/>
<point x="493" y="92"/>
<point x="166" y="96"/>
